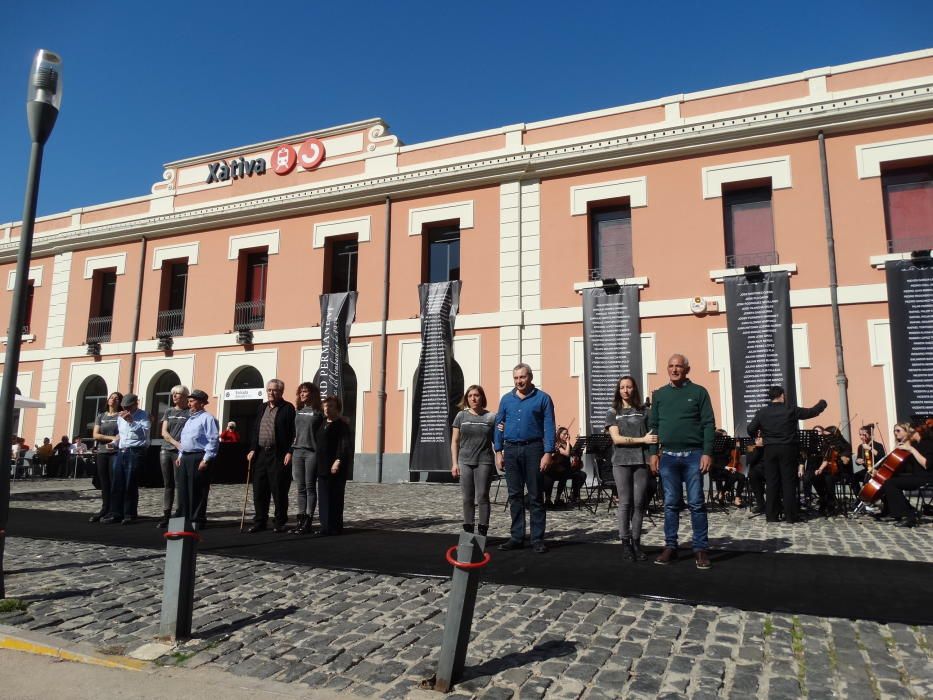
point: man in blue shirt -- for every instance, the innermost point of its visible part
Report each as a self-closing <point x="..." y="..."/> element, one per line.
<point x="133" y="438"/>
<point x="524" y="441"/>
<point x="199" y="438"/>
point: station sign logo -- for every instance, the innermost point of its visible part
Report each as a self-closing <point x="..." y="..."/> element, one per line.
<point x="309" y="155"/>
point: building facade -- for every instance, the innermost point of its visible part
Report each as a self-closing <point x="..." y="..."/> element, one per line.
<point x="214" y="278"/>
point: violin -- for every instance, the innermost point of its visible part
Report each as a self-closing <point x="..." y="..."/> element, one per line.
<point x="831" y="457"/>
<point x="735" y="458"/>
<point x="884" y="471"/>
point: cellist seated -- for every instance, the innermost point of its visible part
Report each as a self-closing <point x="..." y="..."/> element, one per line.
<point x="915" y="471"/>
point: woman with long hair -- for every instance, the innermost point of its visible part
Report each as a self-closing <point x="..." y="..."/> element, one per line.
<point x="915" y="471"/>
<point x="472" y="456"/>
<point x="105" y="433"/>
<point x="173" y="422"/>
<point x="627" y="422"/>
<point x="303" y="453"/>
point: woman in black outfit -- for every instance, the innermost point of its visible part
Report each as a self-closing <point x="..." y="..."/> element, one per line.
<point x="915" y="471"/>
<point x="334" y="454"/>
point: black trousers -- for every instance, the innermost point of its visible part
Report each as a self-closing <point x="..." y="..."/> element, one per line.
<point x="270" y="478"/>
<point x="781" y="478"/>
<point x="104" y="464"/>
<point x="893" y="491"/>
<point x="193" y="486"/>
<point x="330" y="495"/>
<point x="756" y="481"/>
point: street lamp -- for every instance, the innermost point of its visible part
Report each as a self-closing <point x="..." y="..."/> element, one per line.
<point x="43" y="99"/>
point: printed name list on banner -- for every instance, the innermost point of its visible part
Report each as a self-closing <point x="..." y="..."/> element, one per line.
<point x="910" y="307"/>
<point x="337" y="314"/>
<point x="761" y="345"/>
<point x="433" y="389"/>
<point x="612" y="347"/>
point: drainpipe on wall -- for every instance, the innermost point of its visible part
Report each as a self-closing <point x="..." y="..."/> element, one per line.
<point x="139" y="301"/>
<point x="842" y="382"/>
<point x="381" y="396"/>
<point x="521" y="308"/>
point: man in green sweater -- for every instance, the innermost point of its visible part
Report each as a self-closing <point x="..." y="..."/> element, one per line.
<point x="682" y="417"/>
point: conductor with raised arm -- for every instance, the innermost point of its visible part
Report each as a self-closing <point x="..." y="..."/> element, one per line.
<point x="778" y="425"/>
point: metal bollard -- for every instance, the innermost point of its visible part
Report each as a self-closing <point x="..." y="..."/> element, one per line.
<point x="178" y="591"/>
<point x="471" y="557"/>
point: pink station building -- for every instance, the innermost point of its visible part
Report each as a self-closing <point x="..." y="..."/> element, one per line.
<point x="213" y="278"/>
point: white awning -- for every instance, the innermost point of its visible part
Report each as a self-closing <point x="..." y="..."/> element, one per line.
<point x="26" y="402"/>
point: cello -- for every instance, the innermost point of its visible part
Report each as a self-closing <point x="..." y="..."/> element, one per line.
<point x="888" y="467"/>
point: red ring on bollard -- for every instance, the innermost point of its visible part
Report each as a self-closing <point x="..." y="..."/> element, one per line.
<point x="466" y="564"/>
<point x="181" y="534"/>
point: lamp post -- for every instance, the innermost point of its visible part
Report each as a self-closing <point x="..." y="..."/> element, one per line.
<point x="43" y="99"/>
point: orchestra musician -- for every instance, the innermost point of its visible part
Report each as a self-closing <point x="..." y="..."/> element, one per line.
<point x="561" y="470"/>
<point x="836" y="465"/>
<point x="915" y="471"/>
<point x="755" y="470"/>
<point x="778" y="425"/>
<point x="867" y="454"/>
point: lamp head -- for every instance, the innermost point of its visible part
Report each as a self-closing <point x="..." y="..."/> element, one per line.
<point x="45" y="79"/>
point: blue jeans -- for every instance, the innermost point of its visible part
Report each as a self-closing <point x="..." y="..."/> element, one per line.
<point x="523" y="471"/>
<point x="124" y="493"/>
<point x="676" y="471"/>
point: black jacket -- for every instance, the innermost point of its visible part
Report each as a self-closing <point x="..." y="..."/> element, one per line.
<point x="778" y="422"/>
<point x="284" y="429"/>
<point x="334" y="441"/>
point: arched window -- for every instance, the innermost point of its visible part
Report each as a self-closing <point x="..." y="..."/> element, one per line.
<point x="91" y="400"/>
<point x="160" y="398"/>
<point x="243" y="411"/>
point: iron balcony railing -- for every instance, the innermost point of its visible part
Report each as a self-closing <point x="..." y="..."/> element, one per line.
<point x="249" y="315"/>
<point x="765" y="257"/>
<point x="170" y="323"/>
<point x="98" y="329"/>
<point x="618" y="272"/>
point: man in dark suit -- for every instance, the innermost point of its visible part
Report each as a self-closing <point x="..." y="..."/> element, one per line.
<point x="270" y="441"/>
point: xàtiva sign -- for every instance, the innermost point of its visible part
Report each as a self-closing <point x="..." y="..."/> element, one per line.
<point x="309" y="155"/>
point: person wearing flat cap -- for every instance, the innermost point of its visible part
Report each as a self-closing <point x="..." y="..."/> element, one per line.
<point x="133" y="438"/>
<point x="199" y="439"/>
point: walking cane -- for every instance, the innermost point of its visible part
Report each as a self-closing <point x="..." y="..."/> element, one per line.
<point x="249" y="469"/>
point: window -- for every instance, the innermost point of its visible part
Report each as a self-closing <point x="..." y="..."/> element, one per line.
<point x="250" y="309"/>
<point x="103" y="293"/>
<point x="443" y="258"/>
<point x="341" y="256"/>
<point x="27" y="318"/>
<point x="908" y="208"/>
<point x="171" y="318"/>
<point x="749" y="227"/>
<point x="611" y="243"/>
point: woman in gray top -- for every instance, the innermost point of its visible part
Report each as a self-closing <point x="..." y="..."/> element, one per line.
<point x="627" y="422"/>
<point x="303" y="453"/>
<point x="173" y="422"/>
<point x="472" y="456"/>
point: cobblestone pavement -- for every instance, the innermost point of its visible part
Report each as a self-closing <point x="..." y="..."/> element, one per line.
<point x="375" y="635"/>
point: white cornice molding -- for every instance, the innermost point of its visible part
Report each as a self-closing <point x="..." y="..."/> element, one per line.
<point x="419" y="217"/>
<point x="104" y="262"/>
<point x="666" y="142"/>
<point x="263" y="239"/>
<point x="870" y="156"/>
<point x="777" y="169"/>
<point x="636" y="189"/>
<point x="361" y="226"/>
<point x="641" y="282"/>
<point x="35" y="274"/>
<point x="188" y="251"/>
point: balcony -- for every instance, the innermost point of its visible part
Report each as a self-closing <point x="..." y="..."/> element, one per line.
<point x="170" y="323"/>
<point x="765" y="257"/>
<point x="249" y="315"/>
<point x="98" y="329"/>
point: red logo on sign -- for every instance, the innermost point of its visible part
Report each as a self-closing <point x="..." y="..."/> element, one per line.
<point x="283" y="160"/>
<point x="311" y="154"/>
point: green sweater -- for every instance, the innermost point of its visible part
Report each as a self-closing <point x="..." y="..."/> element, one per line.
<point x="682" y="417"/>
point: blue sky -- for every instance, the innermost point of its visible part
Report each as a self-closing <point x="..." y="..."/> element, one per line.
<point x="148" y="83"/>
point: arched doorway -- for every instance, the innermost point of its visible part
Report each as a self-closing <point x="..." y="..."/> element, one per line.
<point x="91" y="400"/>
<point x="243" y="411"/>
<point x="160" y="398"/>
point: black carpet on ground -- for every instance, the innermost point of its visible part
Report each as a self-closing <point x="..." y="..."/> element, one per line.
<point x="829" y="586"/>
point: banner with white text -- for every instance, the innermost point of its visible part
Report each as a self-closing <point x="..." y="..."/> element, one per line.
<point x="910" y="308"/>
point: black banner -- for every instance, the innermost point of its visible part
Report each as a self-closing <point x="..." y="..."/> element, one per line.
<point x="337" y="314"/>
<point x="761" y="342"/>
<point x="434" y="398"/>
<point x="611" y="347"/>
<point x="910" y="308"/>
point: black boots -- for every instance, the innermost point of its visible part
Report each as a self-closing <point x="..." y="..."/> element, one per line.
<point x="636" y="551"/>
<point x="304" y="525"/>
<point x="631" y="550"/>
